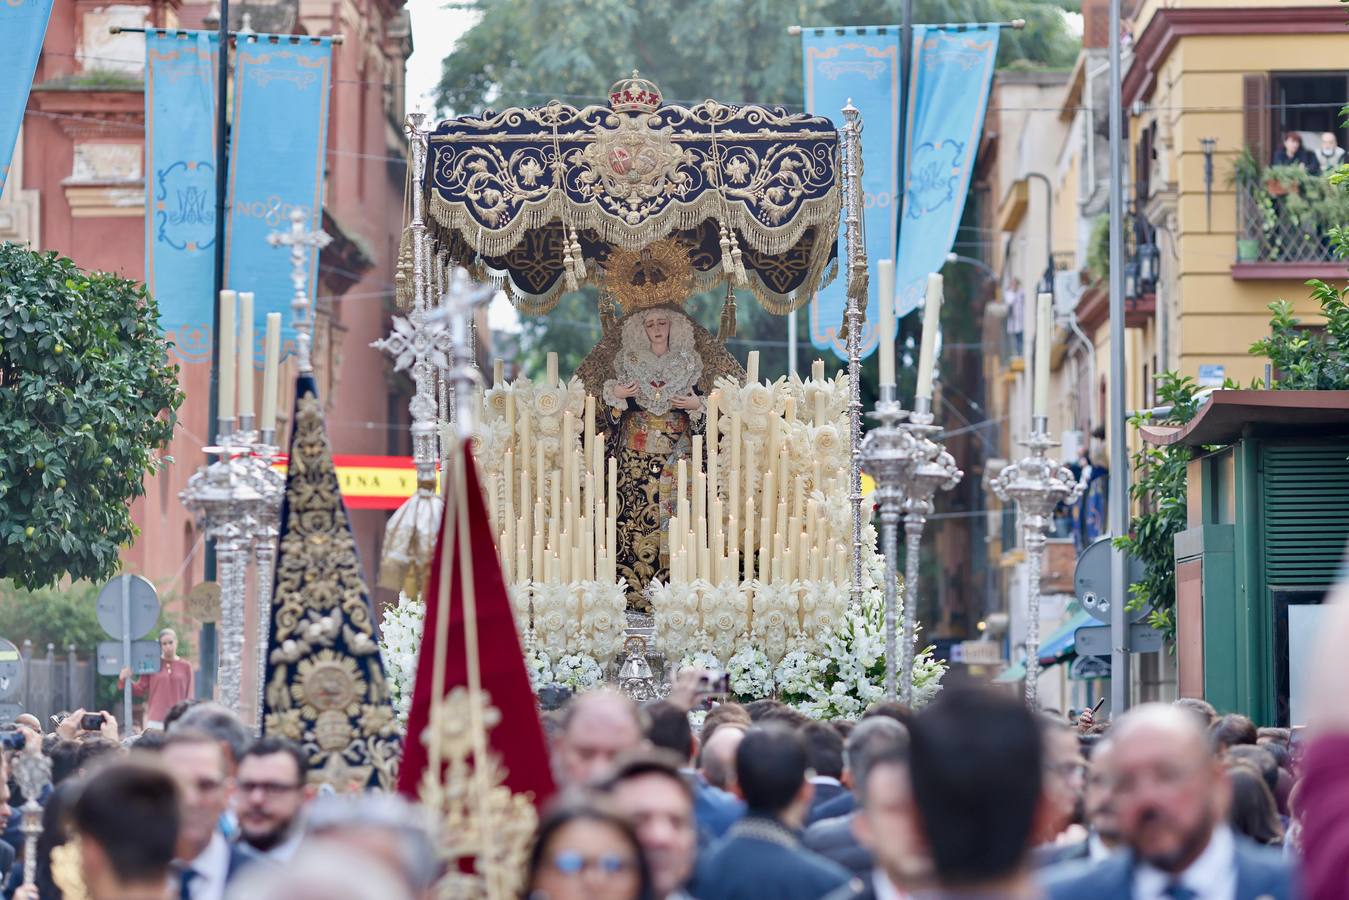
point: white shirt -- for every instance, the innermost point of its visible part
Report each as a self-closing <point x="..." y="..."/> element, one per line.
<point x="1096" y="848"/>
<point x="1213" y="876"/>
<point x="283" y="851"/>
<point x="211" y="868"/>
<point x="885" y="888"/>
<point x="825" y="779"/>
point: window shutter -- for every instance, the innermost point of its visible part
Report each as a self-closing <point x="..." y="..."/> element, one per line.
<point x="1256" y="115"/>
<point x="1306" y="511"/>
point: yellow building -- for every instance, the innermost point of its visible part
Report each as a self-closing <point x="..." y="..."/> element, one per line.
<point x="1208" y="80"/>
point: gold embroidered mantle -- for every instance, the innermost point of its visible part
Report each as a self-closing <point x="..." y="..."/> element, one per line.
<point x="326" y="688"/>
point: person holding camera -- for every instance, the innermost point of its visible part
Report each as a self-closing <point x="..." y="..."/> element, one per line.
<point x="171" y="684"/>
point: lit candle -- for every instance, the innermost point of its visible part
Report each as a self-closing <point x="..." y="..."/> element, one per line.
<point x="752" y="367"/>
<point x="246" y="354"/>
<point x="927" y="356"/>
<point x="225" y="377"/>
<point x="1044" y="337"/>
<point x="885" y="319"/>
<point x="817" y="370"/>
<point x="271" y="363"/>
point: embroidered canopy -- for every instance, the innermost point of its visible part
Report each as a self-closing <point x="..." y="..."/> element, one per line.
<point x="538" y="198"/>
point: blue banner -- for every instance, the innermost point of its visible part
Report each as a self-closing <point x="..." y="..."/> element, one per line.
<point x="23" y="25"/>
<point x="862" y="65"/>
<point x="948" y="94"/>
<point x="180" y="71"/>
<point x="277" y="153"/>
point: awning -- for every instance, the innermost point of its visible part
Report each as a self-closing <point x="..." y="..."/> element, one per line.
<point x="1058" y="647"/>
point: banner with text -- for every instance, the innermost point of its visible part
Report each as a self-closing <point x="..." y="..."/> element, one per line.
<point x="948" y="94"/>
<point x="861" y="65"/>
<point x="180" y="197"/>
<point x="277" y="154"/>
<point x="23" y="25"/>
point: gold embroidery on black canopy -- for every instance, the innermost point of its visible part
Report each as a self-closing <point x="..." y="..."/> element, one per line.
<point x="326" y="688"/>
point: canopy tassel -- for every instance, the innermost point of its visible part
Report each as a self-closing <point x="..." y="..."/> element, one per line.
<point x="726" y="327"/>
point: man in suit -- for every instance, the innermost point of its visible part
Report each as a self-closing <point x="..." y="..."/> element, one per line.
<point x="836" y="838"/>
<point x="205" y="861"/>
<point x="976" y="763"/>
<point x="1171" y="794"/>
<point x="127" y="818"/>
<point x="649" y="790"/>
<point x="825" y="748"/>
<point x="1098" y="804"/>
<point x="762" y="855"/>
<point x="886" y="822"/>
<point x="714" y="810"/>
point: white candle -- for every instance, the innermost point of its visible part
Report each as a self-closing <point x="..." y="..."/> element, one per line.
<point x="885" y="319"/>
<point x="498" y="372"/>
<point x="752" y="367"/>
<point x="1044" y="337"/>
<point x="271" y="349"/>
<point x="927" y="357"/>
<point x="225" y="376"/>
<point x="817" y="369"/>
<point x="246" y="354"/>
<point x="552" y="369"/>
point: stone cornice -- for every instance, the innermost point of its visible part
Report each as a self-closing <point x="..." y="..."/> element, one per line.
<point x="1168" y="26"/>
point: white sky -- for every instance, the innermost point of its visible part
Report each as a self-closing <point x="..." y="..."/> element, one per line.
<point x="434" y="31"/>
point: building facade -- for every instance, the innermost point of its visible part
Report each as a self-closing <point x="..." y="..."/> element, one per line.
<point x="78" y="187"/>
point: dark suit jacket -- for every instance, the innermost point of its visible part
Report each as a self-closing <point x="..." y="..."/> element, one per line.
<point x="1261" y="873"/>
<point x="823" y="794"/>
<point x="714" y="810"/>
<point x="761" y="858"/>
<point x="833" y="839"/>
<point x="861" y="888"/>
<point x="841" y="804"/>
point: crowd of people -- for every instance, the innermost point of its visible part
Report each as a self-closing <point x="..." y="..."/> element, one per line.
<point x="973" y="796"/>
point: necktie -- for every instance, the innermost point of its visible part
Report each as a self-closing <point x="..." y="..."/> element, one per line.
<point x="1174" y="891"/>
<point x="185" y="879"/>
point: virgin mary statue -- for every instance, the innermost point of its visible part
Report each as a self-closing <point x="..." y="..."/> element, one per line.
<point x="652" y="372"/>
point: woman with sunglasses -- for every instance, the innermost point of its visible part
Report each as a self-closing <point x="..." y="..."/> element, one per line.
<point x="585" y="852"/>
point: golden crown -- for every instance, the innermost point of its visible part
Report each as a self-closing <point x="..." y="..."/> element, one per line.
<point x="659" y="274"/>
<point x="635" y="94"/>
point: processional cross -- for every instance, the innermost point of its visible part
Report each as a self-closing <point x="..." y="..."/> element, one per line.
<point x="300" y="238"/>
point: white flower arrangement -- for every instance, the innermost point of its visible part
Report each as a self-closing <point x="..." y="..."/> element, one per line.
<point x="676" y="617"/>
<point x="578" y="671"/>
<point x="699" y="660"/>
<point x="540" y="669"/>
<point x="603" y="617"/>
<point x="751" y="673"/>
<point x="400" y="640"/>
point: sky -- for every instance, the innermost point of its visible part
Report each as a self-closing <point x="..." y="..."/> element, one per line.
<point x="434" y="31"/>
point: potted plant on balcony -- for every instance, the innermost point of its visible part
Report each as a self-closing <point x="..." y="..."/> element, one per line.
<point x="1282" y="181"/>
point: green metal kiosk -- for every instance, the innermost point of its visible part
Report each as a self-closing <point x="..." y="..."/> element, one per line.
<point x="1267" y="511"/>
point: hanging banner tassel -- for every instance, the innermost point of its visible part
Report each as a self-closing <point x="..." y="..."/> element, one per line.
<point x="403" y="287"/>
<point x="577" y="259"/>
<point x="726" y="327"/>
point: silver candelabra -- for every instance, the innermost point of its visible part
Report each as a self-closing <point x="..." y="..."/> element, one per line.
<point x="908" y="465"/>
<point x="1037" y="484"/>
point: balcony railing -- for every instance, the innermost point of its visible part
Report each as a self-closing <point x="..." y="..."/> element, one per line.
<point x="1285" y="216"/>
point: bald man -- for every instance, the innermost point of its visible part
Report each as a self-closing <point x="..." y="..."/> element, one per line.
<point x="597" y="728"/>
<point x="1170" y="796"/>
<point x="717" y="761"/>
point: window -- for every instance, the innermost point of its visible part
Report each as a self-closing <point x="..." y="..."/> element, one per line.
<point x="1308" y="102"/>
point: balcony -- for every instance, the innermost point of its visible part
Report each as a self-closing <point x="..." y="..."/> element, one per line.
<point x="1284" y="218"/>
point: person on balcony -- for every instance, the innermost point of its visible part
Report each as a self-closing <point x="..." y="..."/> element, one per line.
<point x="1330" y="154"/>
<point x="1292" y="153"/>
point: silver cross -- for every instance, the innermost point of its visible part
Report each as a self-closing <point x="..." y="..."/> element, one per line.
<point x="299" y="238"/>
<point x="457" y="307"/>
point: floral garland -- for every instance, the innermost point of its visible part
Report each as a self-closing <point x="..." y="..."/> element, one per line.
<point x="400" y="639"/>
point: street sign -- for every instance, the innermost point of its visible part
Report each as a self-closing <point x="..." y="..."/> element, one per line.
<point x="203" y="601"/>
<point x="1094" y="640"/>
<point x="977" y="653"/>
<point x="145" y="657"/>
<point x="144" y="607"/>
<point x="1091" y="581"/>
<point x="11" y="671"/>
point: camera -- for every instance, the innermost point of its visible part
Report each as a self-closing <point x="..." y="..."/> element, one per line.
<point x="91" y="721"/>
<point x="714" y="684"/>
<point x="11" y="738"/>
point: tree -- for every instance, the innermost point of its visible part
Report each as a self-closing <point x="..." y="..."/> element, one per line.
<point x="527" y="52"/>
<point x="87" y="400"/>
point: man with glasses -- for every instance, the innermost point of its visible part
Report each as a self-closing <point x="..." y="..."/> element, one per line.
<point x="271" y="797"/>
<point x="1170" y="796"/>
<point x="205" y="861"/>
<point x="1062" y="783"/>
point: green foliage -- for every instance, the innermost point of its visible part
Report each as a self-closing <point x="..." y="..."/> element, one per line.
<point x="1293" y="210"/>
<point x="1159" y="489"/>
<point x="95" y="80"/>
<point x="527" y="52"/>
<point x="1098" y="249"/>
<point x="87" y="398"/>
<point x="1307" y="360"/>
<point x="65" y="615"/>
